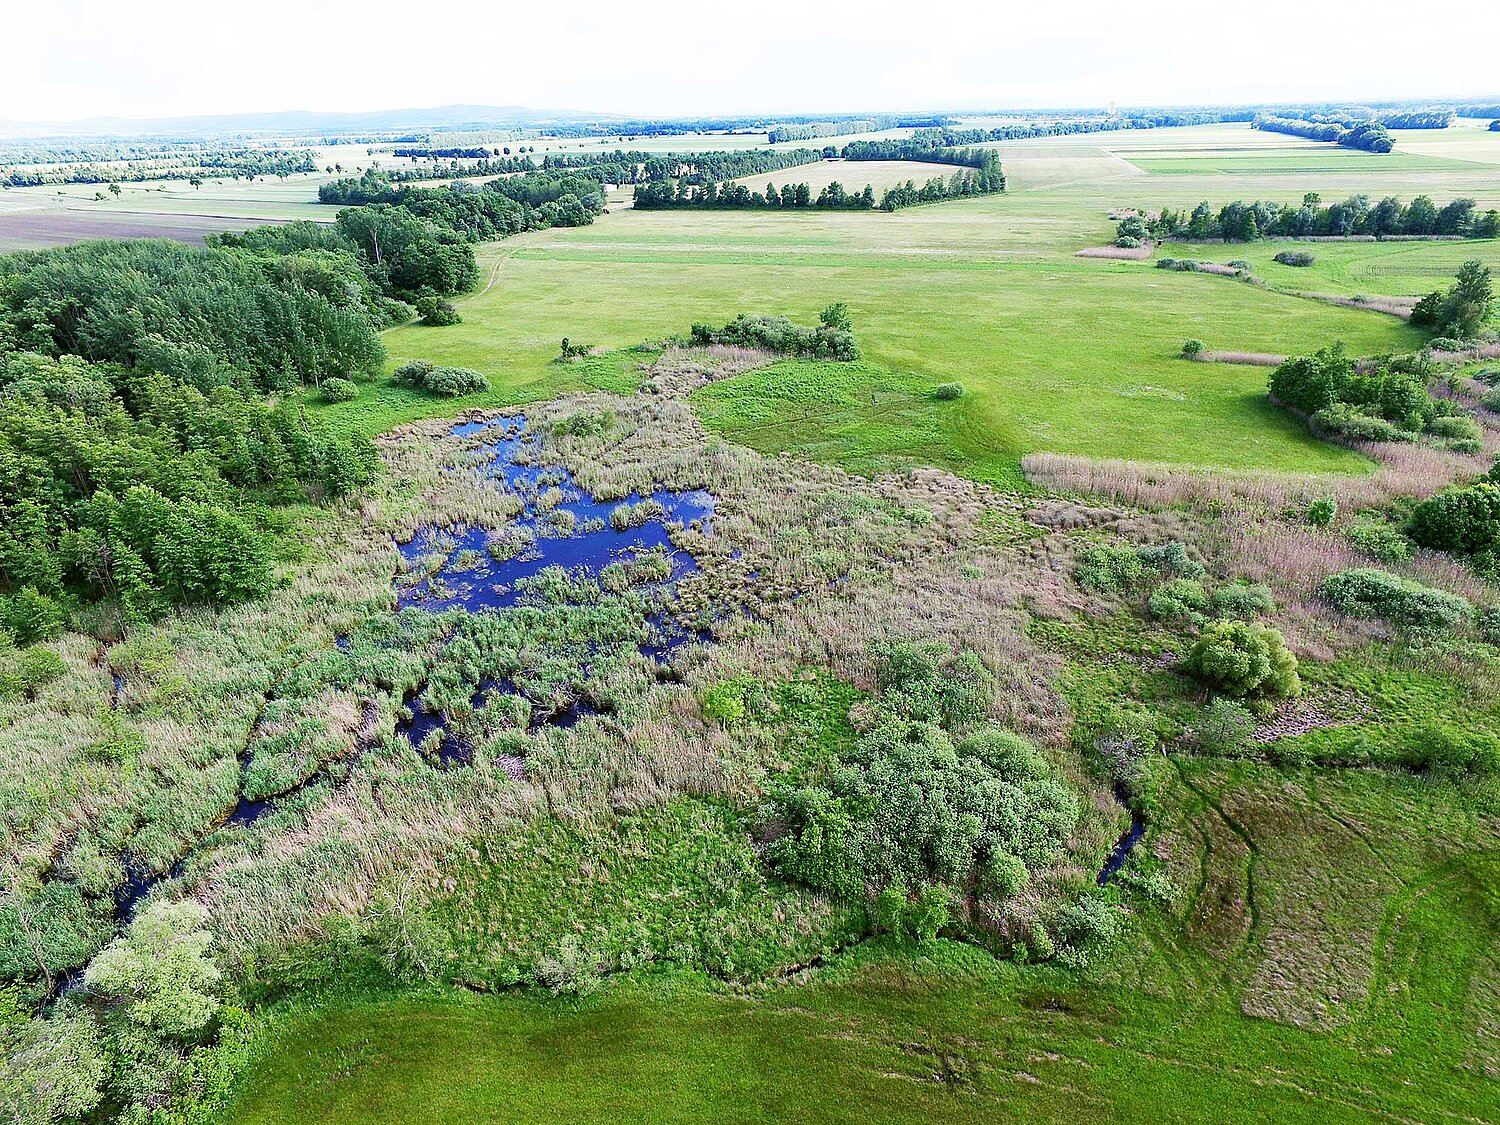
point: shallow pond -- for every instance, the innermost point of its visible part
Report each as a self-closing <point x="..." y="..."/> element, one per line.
<point x="481" y="569"/>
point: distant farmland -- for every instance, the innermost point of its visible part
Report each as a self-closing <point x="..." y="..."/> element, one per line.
<point x="32" y="230"/>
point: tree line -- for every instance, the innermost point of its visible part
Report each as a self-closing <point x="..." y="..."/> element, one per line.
<point x="1388" y="218"/>
<point x="1368" y="136"/>
<point x="230" y="163"/>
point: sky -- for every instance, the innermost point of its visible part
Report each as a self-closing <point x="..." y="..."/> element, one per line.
<point x="71" y="59"/>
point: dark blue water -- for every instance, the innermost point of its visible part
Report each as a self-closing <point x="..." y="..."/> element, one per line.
<point x="1126" y="844"/>
<point x="482" y="569"/>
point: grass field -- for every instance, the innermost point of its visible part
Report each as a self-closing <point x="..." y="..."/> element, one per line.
<point x="1382" y="1004"/>
<point x="1058" y="353"/>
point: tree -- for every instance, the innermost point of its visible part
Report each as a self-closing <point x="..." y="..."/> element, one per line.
<point x="159" y="973"/>
<point x="50" y="1069"/>
<point x="836" y="316"/>
<point x="114" y="189"/>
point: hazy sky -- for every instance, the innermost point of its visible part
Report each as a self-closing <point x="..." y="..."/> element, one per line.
<point x="67" y="59"/>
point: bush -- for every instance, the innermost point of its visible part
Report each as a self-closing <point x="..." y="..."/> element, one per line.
<point x="1225" y="729"/>
<point x="1492" y="400"/>
<point x="29" y="615"/>
<point x="1343" y="420"/>
<point x="1295" y="258"/>
<point x="1379" y="540"/>
<point x="1170" y="559"/>
<point x="1321" y="512"/>
<point x="1242" y="602"/>
<point x="31" y="669"/>
<point x="1179" y="600"/>
<point x="1128" y="242"/>
<point x="1245" y="661"/>
<point x="1311" y="383"/>
<point x="1457" y="426"/>
<point x="832" y="339"/>
<point x="447" y="381"/>
<point x="1454" y="754"/>
<point x="1445" y="343"/>
<point x="1109" y="570"/>
<point x="339" y="390"/>
<point x="948" y="391"/>
<point x="1488" y="623"/>
<point x="1465" y="521"/>
<point x="1239" y="264"/>
<point x="1192" y="349"/>
<point x="437" y="312"/>
<point x="1367" y="592"/>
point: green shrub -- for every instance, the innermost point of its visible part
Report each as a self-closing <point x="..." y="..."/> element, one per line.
<point x="1321" y="512"/>
<point x="1367" y="592"/>
<point x="1127" y="242"/>
<point x="1465" y="521"/>
<point x="1109" y="570"/>
<point x="948" y="391"/>
<point x="30" y="669"/>
<point x="1345" y="421"/>
<point x="1225" y="729"/>
<point x="1239" y="264"/>
<point x="1242" y="601"/>
<point x="437" y="312"/>
<point x="1445" y="344"/>
<point x="1488" y="623"/>
<point x="1122" y="740"/>
<point x="1379" y="540"/>
<point x="1244" y="660"/>
<point x="1192" y="349"/>
<point x="1179" y="600"/>
<point x="1457" y="426"/>
<point x="447" y="381"/>
<point x="29" y="616"/>
<point x="1299" y="258"/>
<point x="723" y="703"/>
<point x="339" y="390"/>
<point x="1170" y="559"/>
<point x="1085" y="926"/>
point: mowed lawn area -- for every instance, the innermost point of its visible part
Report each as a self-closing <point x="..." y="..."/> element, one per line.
<point x="1056" y="352"/>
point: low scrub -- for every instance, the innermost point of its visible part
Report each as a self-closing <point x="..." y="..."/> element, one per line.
<point x="833" y="338"/>
<point x="1368" y="592"/>
<point x="1300" y="258"/>
<point x="450" y="382"/>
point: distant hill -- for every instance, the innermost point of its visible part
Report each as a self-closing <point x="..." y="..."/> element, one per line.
<point x="304" y="122"/>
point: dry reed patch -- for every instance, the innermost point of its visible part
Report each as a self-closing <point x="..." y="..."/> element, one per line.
<point x="1392" y="306"/>
<point x="1121" y="253"/>
<point x="1248" y="359"/>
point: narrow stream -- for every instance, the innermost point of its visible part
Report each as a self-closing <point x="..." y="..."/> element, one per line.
<point x="1126" y="844"/>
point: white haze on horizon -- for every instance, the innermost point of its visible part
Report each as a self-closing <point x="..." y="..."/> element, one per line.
<point x="72" y="59"/>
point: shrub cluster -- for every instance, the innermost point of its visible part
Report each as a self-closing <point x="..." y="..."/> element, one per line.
<point x="1388" y="403"/>
<point x="449" y="382"/>
<point x="1463" y="310"/>
<point x="1295" y="258"/>
<point x="1113" y="570"/>
<point x="831" y="339"/>
<point x="339" y="390"/>
<point x="931" y="795"/>
<point x="1368" y="592"/>
<point x="948" y="391"/>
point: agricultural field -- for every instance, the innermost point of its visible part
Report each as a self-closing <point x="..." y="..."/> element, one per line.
<point x="740" y="665"/>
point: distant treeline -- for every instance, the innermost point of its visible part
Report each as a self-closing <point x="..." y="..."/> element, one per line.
<point x="829" y="129"/>
<point x="232" y="163"/>
<point x="1478" y="109"/>
<point x="980" y="174"/>
<point x="1417" y="119"/>
<point x="1389" y="218"/>
<point x="1368" y="136"/>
